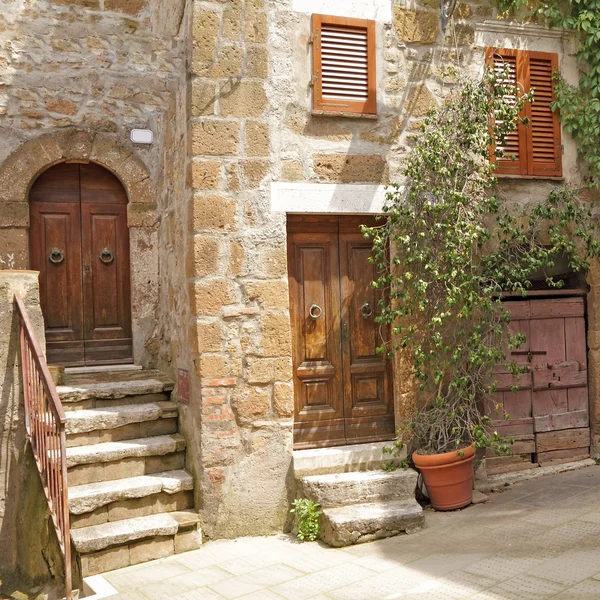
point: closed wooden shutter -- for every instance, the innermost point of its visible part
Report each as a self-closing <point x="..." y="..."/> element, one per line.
<point x="536" y="147"/>
<point x="344" y="65"/>
<point x="544" y="145"/>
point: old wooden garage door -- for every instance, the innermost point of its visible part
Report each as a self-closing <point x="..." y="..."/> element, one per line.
<point x="549" y="416"/>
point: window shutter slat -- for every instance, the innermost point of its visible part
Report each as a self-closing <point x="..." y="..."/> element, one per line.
<point x="546" y="155"/>
<point x="536" y="147"/>
<point x="344" y="64"/>
<point x="514" y="144"/>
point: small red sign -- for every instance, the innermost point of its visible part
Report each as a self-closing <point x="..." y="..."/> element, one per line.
<point x="183" y="386"/>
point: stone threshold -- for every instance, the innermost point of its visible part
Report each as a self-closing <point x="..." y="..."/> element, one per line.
<point x="339" y="459"/>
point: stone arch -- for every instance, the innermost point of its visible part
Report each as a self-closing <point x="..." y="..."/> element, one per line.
<point x="21" y="168"/>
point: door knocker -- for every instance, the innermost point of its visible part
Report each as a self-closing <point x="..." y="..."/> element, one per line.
<point x="106" y="256"/>
<point x="366" y="311"/>
<point x="315" y="311"/>
<point x="56" y="256"/>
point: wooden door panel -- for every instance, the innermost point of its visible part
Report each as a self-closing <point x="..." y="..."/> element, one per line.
<point x="368" y="395"/>
<point x="106" y="276"/>
<point x="55" y="251"/>
<point x="556" y="355"/>
<point x="314" y="288"/>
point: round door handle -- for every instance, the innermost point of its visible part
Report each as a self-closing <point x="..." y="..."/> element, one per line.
<point x="315" y="311"/>
<point x="366" y="310"/>
<point x="106" y="256"/>
<point x="56" y="256"/>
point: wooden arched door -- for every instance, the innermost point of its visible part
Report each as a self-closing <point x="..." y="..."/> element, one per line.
<point x="79" y="242"/>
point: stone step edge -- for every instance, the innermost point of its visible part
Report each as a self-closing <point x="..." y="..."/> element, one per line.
<point x="91" y="496"/>
<point x="119" y="533"/>
<point x="359" y="523"/>
<point x="112" y="451"/>
<point x="359" y="487"/>
<point x="113" y="417"/>
<point x="113" y="390"/>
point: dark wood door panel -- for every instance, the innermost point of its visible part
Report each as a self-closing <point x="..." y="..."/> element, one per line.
<point x="106" y="277"/>
<point x="314" y="312"/>
<point x="367" y="374"/>
<point x="342" y="386"/>
<point x="77" y="212"/>
<point x="55" y="251"/>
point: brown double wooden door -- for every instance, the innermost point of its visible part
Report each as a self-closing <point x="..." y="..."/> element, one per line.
<point x="79" y="242"/>
<point x="342" y="386"/>
<point x="549" y="414"/>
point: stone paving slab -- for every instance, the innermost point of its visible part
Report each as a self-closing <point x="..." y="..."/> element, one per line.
<point x="537" y="540"/>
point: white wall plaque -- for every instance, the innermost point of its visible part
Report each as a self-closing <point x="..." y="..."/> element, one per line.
<point x="142" y="136"/>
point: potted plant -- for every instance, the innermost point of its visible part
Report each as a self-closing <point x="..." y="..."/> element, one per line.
<point x="448" y="248"/>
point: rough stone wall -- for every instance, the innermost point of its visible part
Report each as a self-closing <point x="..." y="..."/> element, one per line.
<point x="237" y="276"/>
<point x="101" y="68"/>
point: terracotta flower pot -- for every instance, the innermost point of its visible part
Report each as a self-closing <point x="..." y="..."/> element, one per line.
<point x="448" y="477"/>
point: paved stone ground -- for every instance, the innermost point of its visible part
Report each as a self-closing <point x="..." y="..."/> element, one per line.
<point x="539" y="539"/>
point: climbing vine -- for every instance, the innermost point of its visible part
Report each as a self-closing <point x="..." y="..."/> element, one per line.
<point x="448" y="250"/>
<point x="579" y="105"/>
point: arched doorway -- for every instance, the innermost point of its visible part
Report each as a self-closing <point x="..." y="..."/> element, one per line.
<point x="79" y="242"/>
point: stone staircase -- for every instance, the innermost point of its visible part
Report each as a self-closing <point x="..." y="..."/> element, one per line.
<point x="130" y="498"/>
<point x="360" y="501"/>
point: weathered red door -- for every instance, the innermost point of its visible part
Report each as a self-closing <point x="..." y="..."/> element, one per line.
<point x="342" y="386"/>
<point x="79" y="242"/>
<point x="549" y="415"/>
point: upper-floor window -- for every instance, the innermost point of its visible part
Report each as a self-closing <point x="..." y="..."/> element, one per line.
<point x="534" y="148"/>
<point x="344" y="65"/>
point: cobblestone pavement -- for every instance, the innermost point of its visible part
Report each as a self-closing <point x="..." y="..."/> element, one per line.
<point x="539" y="539"/>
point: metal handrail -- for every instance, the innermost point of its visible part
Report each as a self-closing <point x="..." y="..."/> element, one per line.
<point x="45" y="423"/>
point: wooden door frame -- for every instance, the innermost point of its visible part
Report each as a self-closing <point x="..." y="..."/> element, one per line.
<point x="327" y="223"/>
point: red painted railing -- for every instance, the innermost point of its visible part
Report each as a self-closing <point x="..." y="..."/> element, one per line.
<point x="45" y="423"/>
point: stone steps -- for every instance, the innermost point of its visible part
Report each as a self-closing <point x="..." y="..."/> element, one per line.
<point x="127" y="542"/>
<point x="360" y="501"/>
<point x="112" y="451"/>
<point x="130" y="499"/>
<point x="343" y="489"/>
<point x="358" y="523"/>
<point x="118" y="423"/>
<point x="115" y="500"/>
<point x="127" y="458"/>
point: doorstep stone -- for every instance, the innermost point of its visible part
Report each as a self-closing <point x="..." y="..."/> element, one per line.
<point x="342" y="489"/>
<point x="361" y="523"/>
<point x="340" y="459"/>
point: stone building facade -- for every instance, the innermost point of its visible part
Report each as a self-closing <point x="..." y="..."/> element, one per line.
<point x="225" y="87"/>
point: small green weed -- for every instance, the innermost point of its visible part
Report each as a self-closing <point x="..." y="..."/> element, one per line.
<point x="307" y="518"/>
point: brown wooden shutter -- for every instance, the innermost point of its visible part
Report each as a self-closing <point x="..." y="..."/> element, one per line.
<point x="344" y="65"/>
<point x="516" y="142"/>
<point x="544" y="145"/>
<point x="536" y="146"/>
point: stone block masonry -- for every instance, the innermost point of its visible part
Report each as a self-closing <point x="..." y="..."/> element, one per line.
<point x="237" y="279"/>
